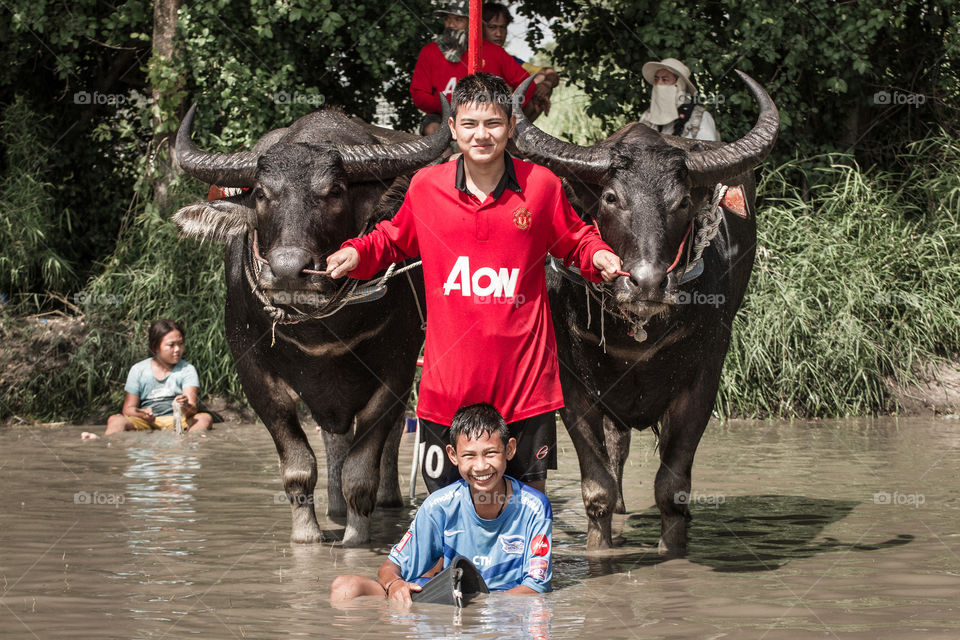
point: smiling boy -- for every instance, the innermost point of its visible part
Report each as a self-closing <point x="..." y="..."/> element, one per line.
<point x="501" y="524"/>
<point x="483" y="226"/>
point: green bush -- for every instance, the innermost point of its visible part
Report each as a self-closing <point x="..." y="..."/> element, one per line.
<point x="30" y="226"/>
<point x="854" y="283"/>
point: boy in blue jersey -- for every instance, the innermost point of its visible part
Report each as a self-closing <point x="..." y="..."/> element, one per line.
<point x="502" y="525"/>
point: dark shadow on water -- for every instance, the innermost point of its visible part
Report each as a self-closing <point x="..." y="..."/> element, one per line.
<point x="743" y="534"/>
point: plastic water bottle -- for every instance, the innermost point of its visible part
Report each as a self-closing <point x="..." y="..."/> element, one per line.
<point x="177" y="418"/>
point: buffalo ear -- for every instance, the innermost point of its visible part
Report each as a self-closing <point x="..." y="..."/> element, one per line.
<point x="218" y="220"/>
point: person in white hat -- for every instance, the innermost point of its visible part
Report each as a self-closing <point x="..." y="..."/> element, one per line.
<point x="673" y="108"/>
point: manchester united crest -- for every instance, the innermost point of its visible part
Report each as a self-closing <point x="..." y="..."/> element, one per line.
<point x="521" y="218"/>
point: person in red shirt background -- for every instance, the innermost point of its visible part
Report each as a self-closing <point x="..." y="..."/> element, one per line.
<point x="483" y="226"/>
<point x="442" y="64"/>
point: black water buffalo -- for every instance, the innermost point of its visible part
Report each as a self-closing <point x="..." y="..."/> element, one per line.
<point x="313" y="185"/>
<point x="652" y="356"/>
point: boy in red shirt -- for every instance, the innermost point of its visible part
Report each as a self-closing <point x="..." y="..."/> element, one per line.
<point x="483" y="226"/>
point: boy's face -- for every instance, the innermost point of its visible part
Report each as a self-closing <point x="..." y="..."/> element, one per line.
<point x="482" y="461"/>
<point x="481" y="131"/>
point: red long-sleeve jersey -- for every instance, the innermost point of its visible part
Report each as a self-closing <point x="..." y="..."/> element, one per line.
<point x="434" y="74"/>
<point x="489" y="330"/>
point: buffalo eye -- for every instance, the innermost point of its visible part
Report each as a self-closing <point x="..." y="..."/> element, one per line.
<point x="335" y="191"/>
<point x="259" y="194"/>
<point x="685" y="203"/>
<point x="610" y="198"/>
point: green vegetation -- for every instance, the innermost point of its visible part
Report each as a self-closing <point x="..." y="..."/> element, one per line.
<point x="853" y="284"/>
<point x="854" y="280"/>
<point x="31" y="226"/>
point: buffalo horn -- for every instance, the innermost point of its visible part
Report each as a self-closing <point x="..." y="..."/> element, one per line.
<point x="223" y="169"/>
<point x="387" y="161"/>
<point x="565" y="158"/>
<point x="717" y="165"/>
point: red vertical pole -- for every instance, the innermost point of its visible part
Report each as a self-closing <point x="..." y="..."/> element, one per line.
<point x="475" y="32"/>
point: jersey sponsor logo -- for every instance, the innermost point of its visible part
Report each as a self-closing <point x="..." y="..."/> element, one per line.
<point x="542" y="452"/>
<point x="529" y="501"/>
<point x="540" y="546"/>
<point x="403" y="542"/>
<point x="482" y="282"/>
<point x="447" y="532"/>
<point x="521" y="218"/>
<point x="538" y="568"/>
<point x="481" y="561"/>
<point x="512" y="544"/>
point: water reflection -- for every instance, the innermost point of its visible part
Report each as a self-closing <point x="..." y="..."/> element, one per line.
<point x="161" y="496"/>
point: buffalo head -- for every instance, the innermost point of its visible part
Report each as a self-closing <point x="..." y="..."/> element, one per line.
<point x="643" y="189"/>
<point x="308" y="188"/>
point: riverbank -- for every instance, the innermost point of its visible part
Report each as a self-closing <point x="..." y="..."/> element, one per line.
<point x="852" y="307"/>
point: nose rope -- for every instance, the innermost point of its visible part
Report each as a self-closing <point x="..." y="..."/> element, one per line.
<point x="259" y="258"/>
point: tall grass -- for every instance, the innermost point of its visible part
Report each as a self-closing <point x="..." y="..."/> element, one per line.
<point x="29" y="224"/>
<point x="151" y="274"/>
<point x="855" y="283"/>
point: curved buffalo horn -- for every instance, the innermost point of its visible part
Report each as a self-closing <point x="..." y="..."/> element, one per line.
<point x="223" y="169"/>
<point x="565" y="158"/>
<point x="716" y="165"/>
<point x="387" y="161"/>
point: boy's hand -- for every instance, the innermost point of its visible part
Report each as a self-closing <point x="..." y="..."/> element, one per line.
<point x="342" y="262"/>
<point x="400" y="592"/>
<point x="608" y="263"/>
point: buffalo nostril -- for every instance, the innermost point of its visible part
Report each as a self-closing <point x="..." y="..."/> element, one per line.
<point x="289" y="263"/>
<point x="663" y="284"/>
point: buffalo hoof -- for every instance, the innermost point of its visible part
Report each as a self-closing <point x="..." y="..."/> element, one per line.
<point x="357" y="532"/>
<point x="306" y="535"/>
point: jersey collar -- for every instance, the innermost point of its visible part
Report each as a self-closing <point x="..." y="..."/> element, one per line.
<point x="507" y="181"/>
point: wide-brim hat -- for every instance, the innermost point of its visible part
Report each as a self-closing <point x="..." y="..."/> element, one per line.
<point x="675" y="67"/>
<point x="456" y="585"/>
<point x="453" y="7"/>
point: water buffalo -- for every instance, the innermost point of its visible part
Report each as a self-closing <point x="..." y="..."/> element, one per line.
<point x="311" y="186"/>
<point x="652" y="355"/>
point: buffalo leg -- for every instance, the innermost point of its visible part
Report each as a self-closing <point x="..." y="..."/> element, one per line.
<point x="617" y="442"/>
<point x="336" y="446"/>
<point x="584" y="421"/>
<point x="361" y="468"/>
<point x="388" y="493"/>
<point x="681" y="429"/>
<point x="275" y="403"/>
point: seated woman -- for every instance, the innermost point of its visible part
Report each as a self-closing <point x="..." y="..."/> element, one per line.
<point x="154" y="384"/>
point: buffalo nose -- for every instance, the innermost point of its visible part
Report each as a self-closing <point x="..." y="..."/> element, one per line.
<point x="649" y="279"/>
<point x="288" y="262"/>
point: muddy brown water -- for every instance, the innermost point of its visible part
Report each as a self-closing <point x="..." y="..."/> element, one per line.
<point x="837" y="529"/>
